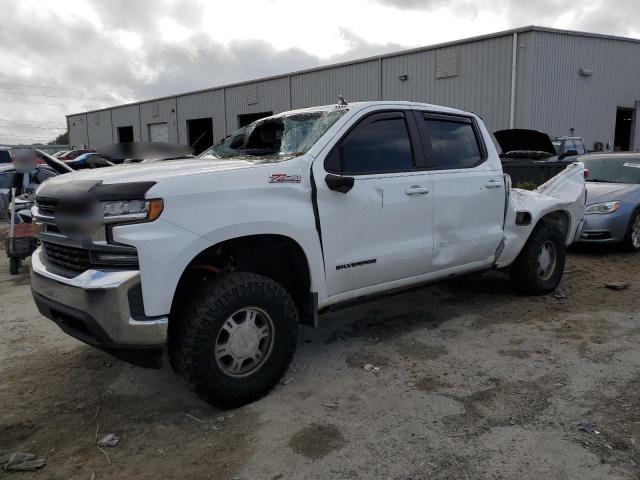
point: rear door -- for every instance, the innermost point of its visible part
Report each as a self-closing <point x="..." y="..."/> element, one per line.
<point x="379" y="229"/>
<point x="468" y="191"/>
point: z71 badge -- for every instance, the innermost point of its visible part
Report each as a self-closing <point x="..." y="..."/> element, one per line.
<point x="284" y="178"/>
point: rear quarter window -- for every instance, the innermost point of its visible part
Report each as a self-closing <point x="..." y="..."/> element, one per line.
<point x="5" y="156"/>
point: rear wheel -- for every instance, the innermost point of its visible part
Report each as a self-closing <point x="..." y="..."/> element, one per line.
<point x="14" y="265"/>
<point x="234" y="338"/>
<point x="632" y="238"/>
<point x="539" y="267"/>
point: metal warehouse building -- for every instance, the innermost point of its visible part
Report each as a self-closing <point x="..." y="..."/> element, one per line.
<point x="559" y="82"/>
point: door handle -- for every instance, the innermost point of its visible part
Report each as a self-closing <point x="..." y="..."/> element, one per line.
<point x="493" y="184"/>
<point x="416" y="190"/>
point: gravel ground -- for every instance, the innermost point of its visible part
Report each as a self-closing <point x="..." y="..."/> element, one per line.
<point x="472" y="381"/>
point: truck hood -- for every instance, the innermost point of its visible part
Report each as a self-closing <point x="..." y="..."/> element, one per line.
<point x="520" y="139"/>
<point x="605" y="192"/>
<point x="152" y="172"/>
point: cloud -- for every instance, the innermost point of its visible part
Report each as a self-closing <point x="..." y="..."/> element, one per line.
<point x="100" y="53"/>
<point x="94" y="66"/>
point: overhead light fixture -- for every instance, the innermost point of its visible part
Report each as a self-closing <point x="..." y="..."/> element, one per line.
<point x="403" y="78"/>
<point x="586" y="72"/>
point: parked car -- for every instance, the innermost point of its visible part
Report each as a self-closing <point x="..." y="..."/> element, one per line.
<point x="524" y="144"/>
<point x="5" y="155"/>
<point x="612" y="213"/>
<point x="521" y="143"/>
<point x="224" y="255"/>
<point x="568" y="145"/>
<point x="7" y="173"/>
<point x="89" y="160"/>
<point x="70" y="155"/>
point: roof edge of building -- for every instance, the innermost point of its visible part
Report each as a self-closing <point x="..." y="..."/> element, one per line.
<point x="462" y="41"/>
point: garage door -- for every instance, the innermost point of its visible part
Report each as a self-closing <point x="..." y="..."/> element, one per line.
<point x="159" y="132"/>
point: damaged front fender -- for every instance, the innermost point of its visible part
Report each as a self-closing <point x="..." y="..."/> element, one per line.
<point x="559" y="201"/>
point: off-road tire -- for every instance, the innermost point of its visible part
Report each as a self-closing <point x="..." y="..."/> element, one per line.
<point x="14" y="265"/>
<point x="628" y="242"/>
<point x="197" y="322"/>
<point x="525" y="273"/>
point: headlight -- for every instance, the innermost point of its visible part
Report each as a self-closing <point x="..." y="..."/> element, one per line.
<point x="132" y="211"/>
<point x="601" y="208"/>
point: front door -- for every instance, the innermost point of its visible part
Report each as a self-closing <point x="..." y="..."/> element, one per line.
<point x="378" y="230"/>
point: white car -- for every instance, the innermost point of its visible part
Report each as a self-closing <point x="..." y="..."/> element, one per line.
<point x="224" y="255"/>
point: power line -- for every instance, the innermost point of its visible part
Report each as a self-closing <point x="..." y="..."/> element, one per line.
<point x="41" y="86"/>
<point x="8" y="92"/>
<point x="2" y="100"/>
<point x="30" y="123"/>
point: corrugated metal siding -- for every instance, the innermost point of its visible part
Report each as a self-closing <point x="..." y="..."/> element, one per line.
<point x="78" y="130"/>
<point x="525" y="78"/>
<point x="255" y="97"/>
<point x="161" y="111"/>
<point x="482" y="85"/>
<point x="359" y="82"/>
<point x="564" y="99"/>
<point x="125" y="117"/>
<point x="208" y="104"/>
<point x="100" y="131"/>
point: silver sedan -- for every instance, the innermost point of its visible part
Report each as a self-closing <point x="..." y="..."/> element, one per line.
<point x="612" y="211"/>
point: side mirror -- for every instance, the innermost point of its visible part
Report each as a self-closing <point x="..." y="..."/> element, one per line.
<point x="568" y="153"/>
<point x="338" y="183"/>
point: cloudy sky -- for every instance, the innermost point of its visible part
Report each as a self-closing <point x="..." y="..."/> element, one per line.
<point x="66" y="56"/>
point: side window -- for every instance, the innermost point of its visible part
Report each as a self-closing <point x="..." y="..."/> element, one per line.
<point x="43" y="174"/>
<point x="450" y="142"/>
<point x="568" y="145"/>
<point x="379" y="143"/>
<point x="6" y="180"/>
<point x="579" y="147"/>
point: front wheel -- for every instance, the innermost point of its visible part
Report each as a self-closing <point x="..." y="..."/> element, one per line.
<point x="539" y="267"/>
<point x="234" y="338"/>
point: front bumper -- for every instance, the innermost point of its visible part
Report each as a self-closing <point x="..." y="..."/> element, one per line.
<point x="609" y="228"/>
<point x="94" y="307"/>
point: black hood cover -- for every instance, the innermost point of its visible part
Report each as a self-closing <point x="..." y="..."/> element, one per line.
<point x="520" y="139"/>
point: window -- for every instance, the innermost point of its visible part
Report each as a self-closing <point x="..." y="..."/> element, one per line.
<point x="568" y="145"/>
<point x="6" y="180"/>
<point x="43" y="174"/>
<point x="579" y="146"/>
<point x="379" y="143"/>
<point x="450" y="143"/>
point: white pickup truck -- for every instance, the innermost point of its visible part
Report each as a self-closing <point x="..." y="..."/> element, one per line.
<point x="222" y="256"/>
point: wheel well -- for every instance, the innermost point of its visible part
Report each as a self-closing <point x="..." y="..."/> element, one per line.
<point x="275" y="256"/>
<point x="560" y="219"/>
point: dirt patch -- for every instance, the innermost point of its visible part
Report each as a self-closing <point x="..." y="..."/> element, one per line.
<point x="514" y="353"/>
<point x="315" y="441"/>
<point x="360" y="359"/>
<point x="511" y="403"/>
<point x="431" y="383"/>
<point x="420" y="351"/>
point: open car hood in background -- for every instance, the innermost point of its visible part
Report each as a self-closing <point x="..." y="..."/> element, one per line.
<point x="118" y="152"/>
<point x="520" y="139"/>
<point x="58" y="165"/>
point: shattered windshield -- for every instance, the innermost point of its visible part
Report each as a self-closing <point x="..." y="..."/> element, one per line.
<point x="276" y="138"/>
